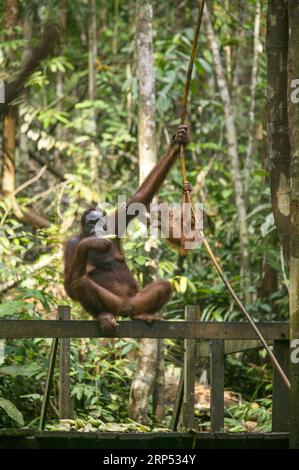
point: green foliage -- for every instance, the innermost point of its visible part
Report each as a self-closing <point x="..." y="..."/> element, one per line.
<point x="246" y="417"/>
<point x="90" y="424"/>
<point x="12" y="411"/>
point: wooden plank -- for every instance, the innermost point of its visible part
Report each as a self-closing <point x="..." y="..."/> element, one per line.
<point x="178" y="403"/>
<point x="139" y="329"/>
<point x="230" y="347"/>
<point x="217" y="385"/>
<point x="191" y="314"/>
<point x="281" y="394"/>
<point x="65" y="408"/>
<point x="48" y="386"/>
<point x="234" y="346"/>
<point x="154" y="440"/>
<point x="9" y="432"/>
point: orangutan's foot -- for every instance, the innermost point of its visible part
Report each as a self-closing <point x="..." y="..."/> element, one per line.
<point x="107" y="322"/>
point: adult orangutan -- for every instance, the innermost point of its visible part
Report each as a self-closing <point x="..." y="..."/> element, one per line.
<point x="95" y="270"/>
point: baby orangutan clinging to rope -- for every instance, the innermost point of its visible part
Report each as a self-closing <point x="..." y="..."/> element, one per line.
<point x="95" y="270"/>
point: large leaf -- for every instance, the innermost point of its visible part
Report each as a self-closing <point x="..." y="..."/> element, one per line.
<point x="12" y="411"/>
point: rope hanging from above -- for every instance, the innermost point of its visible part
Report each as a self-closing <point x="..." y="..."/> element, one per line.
<point x="187" y="198"/>
<point x="187" y="85"/>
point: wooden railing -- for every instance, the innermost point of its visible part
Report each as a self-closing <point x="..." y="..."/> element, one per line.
<point x="228" y="338"/>
<point x="222" y="338"/>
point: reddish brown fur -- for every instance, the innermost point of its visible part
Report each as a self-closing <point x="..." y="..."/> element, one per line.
<point x="96" y="273"/>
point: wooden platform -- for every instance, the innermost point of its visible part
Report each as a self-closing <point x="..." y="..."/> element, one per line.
<point x="222" y="338"/>
<point x="26" y="439"/>
<point x="139" y="329"/>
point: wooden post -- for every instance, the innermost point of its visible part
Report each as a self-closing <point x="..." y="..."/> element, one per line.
<point x="65" y="408"/>
<point x="49" y="380"/>
<point x="191" y="314"/>
<point x="178" y="403"/>
<point x="217" y="385"/>
<point x="159" y="385"/>
<point x="281" y="395"/>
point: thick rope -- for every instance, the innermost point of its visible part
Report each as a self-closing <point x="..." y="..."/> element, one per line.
<point x="186" y="191"/>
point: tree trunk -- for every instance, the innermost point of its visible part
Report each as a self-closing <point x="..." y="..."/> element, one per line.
<point x="92" y="58"/>
<point x="9" y="146"/>
<point x="23" y="140"/>
<point x="159" y="385"/>
<point x="146" y="88"/>
<point x="94" y="153"/>
<point x="59" y="83"/>
<point x="231" y="136"/>
<point x="268" y="284"/>
<point x="238" y="56"/>
<point x="143" y="383"/>
<point x="115" y="27"/>
<point x="9" y="119"/>
<point x="278" y="131"/>
<point x="253" y="85"/>
<point x="293" y="74"/>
